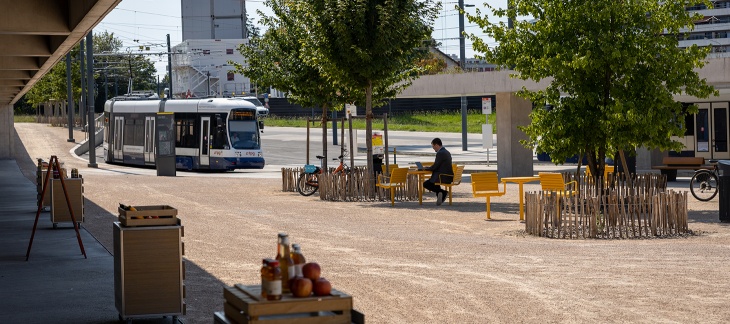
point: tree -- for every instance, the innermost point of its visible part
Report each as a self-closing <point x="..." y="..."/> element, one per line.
<point x="368" y="44"/>
<point x="615" y="67"/>
<point x="277" y="59"/>
<point x="53" y="85"/>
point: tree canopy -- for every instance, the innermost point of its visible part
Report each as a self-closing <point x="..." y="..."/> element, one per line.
<point x="117" y="66"/>
<point x="615" y="67"/>
<point x="329" y="52"/>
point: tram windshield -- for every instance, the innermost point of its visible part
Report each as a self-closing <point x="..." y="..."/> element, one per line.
<point x="243" y="130"/>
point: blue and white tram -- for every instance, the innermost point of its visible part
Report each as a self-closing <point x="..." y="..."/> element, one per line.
<point x="211" y="134"/>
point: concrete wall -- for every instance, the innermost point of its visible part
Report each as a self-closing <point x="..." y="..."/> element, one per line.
<point x="7" y="132"/>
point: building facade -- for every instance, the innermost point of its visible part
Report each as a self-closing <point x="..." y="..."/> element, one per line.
<point x="213" y="19"/>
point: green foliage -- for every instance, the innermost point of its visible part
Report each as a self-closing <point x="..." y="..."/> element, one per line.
<point x="278" y="59"/>
<point x="614" y="73"/>
<point x="53" y="85"/>
<point x="329" y="52"/>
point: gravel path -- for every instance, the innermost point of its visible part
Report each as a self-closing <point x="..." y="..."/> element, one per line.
<point x="411" y="263"/>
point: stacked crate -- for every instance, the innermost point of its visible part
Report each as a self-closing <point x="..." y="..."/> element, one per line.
<point x="148" y="265"/>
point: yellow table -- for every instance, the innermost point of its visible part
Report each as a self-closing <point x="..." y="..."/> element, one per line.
<point x="421" y="178"/>
<point x="521" y="181"/>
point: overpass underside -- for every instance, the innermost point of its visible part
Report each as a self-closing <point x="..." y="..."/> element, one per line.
<point x="34" y="36"/>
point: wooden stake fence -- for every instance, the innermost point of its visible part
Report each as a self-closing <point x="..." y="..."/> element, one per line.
<point x="644" y="210"/>
<point x="353" y="186"/>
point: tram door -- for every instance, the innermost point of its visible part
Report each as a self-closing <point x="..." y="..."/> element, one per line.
<point x="711" y="131"/>
<point x="149" y="139"/>
<point x="118" y="138"/>
<point x="205" y="141"/>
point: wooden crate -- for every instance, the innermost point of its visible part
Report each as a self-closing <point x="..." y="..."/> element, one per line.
<point x="59" y="208"/>
<point x="148" y="271"/>
<point x="158" y="215"/>
<point x="244" y="304"/>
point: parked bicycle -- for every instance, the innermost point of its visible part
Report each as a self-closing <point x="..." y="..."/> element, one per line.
<point x="308" y="182"/>
<point x="704" y="183"/>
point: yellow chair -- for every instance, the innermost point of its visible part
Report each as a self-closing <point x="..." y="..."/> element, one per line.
<point x="606" y="170"/>
<point x="397" y="179"/>
<point x="390" y="168"/>
<point x="550" y="181"/>
<point x="485" y="184"/>
<point x="456" y="179"/>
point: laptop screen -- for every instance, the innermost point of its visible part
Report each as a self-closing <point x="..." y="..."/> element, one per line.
<point x="419" y="166"/>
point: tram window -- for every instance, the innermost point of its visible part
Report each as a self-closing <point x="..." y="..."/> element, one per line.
<point x="185" y="124"/>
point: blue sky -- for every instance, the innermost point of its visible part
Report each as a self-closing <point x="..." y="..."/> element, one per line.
<point x="147" y="23"/>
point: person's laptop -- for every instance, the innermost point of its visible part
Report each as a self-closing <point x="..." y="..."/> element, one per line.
<point x="419" y="166"/>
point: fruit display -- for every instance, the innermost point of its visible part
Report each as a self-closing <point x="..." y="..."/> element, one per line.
<point x="298" y="278"/>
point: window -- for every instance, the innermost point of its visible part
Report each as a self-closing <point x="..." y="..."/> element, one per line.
<point x="229" y="51"/>
<point x="230" y="76"/>
<point x="185" y="126"/>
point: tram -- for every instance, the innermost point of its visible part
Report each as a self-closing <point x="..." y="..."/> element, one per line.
<point x="210" y="134"/>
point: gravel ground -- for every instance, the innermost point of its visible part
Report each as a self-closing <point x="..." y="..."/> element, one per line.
<point x="411" y="263"/>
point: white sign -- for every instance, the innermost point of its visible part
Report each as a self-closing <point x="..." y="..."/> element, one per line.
<point x="486" y="106"/>
<point x="350" y="110"/>
<point x="487" y="142"/>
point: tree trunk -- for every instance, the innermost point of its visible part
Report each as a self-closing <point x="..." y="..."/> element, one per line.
<point x="369" y="127"/>
<point x="626" y="167"/>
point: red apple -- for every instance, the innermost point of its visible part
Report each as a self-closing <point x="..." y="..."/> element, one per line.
<point x="322" y="287"/>
<point x="302" y="287"/>
<point x="290" y="284"/>
<point x="312" y="271"/>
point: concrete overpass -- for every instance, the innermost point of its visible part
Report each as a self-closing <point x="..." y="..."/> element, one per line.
<point x="34" y="36"/>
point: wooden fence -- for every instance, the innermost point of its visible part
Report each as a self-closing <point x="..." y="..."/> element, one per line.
<point x="352" y="186"/>
<point x="644" y="209"/>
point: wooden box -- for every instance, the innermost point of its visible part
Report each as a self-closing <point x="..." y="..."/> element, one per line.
<point x="148" y="271"/>
<point x="244" y="304"/>
<point x="40" y="179"/>
<point x="59" y="208"/>
<point x="158" y="215"/>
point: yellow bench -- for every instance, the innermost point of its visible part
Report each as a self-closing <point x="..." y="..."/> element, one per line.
<point x="458" y="171"/>
<point x="550" y="181"/>
<point x="397" y="179"/>
<point x="486" y="184"/>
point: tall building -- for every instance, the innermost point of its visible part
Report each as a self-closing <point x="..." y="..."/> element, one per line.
<point x="712" y="30"/>
<point x="213" y="19"/>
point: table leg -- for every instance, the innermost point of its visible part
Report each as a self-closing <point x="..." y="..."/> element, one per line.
<point x="522" y="203"/>
<point x="420" y="189"/>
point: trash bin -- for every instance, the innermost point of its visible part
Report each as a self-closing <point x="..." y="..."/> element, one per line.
<point x="377" y="163"/>
<point x="724" y="187"/>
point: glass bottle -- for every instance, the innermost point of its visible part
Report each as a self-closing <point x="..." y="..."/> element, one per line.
<point x="273" y="292"/>
<point x="265" y="274"/>
<point x="298" y="259"/>
<point x="285" y="262"/>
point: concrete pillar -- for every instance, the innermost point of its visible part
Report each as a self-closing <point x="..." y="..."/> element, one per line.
<point x="645" y="158"/>
<point x="7" y="133"/>
<point x="513" y="159"/>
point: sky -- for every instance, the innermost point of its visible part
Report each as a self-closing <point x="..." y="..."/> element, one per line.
<point x="147" y="23"/>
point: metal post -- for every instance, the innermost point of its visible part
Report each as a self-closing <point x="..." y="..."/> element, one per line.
<point x="169" y="65"/>
<point x="90" y="99"/>
<point x="69" y="99"/>
<point x="334" y="127"/>
<point x="462" y="63"/>
<point x="82" y="102"/>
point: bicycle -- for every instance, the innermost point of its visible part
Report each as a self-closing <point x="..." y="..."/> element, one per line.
<point x="308" y="182"/>
<point x="704" y="183"/>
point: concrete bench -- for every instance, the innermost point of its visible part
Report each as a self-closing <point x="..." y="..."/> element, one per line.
<point x="674" y="163"/>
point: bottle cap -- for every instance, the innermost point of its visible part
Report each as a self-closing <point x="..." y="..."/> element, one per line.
<point x="274" y="263"/>
<point x="282" y="234"/>
<point x="265" y="261"/>
<point x="295" y="245"/>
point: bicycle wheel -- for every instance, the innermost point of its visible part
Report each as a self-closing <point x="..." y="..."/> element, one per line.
<point x="703" y="185"/>
<point x="307" y="184"/>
